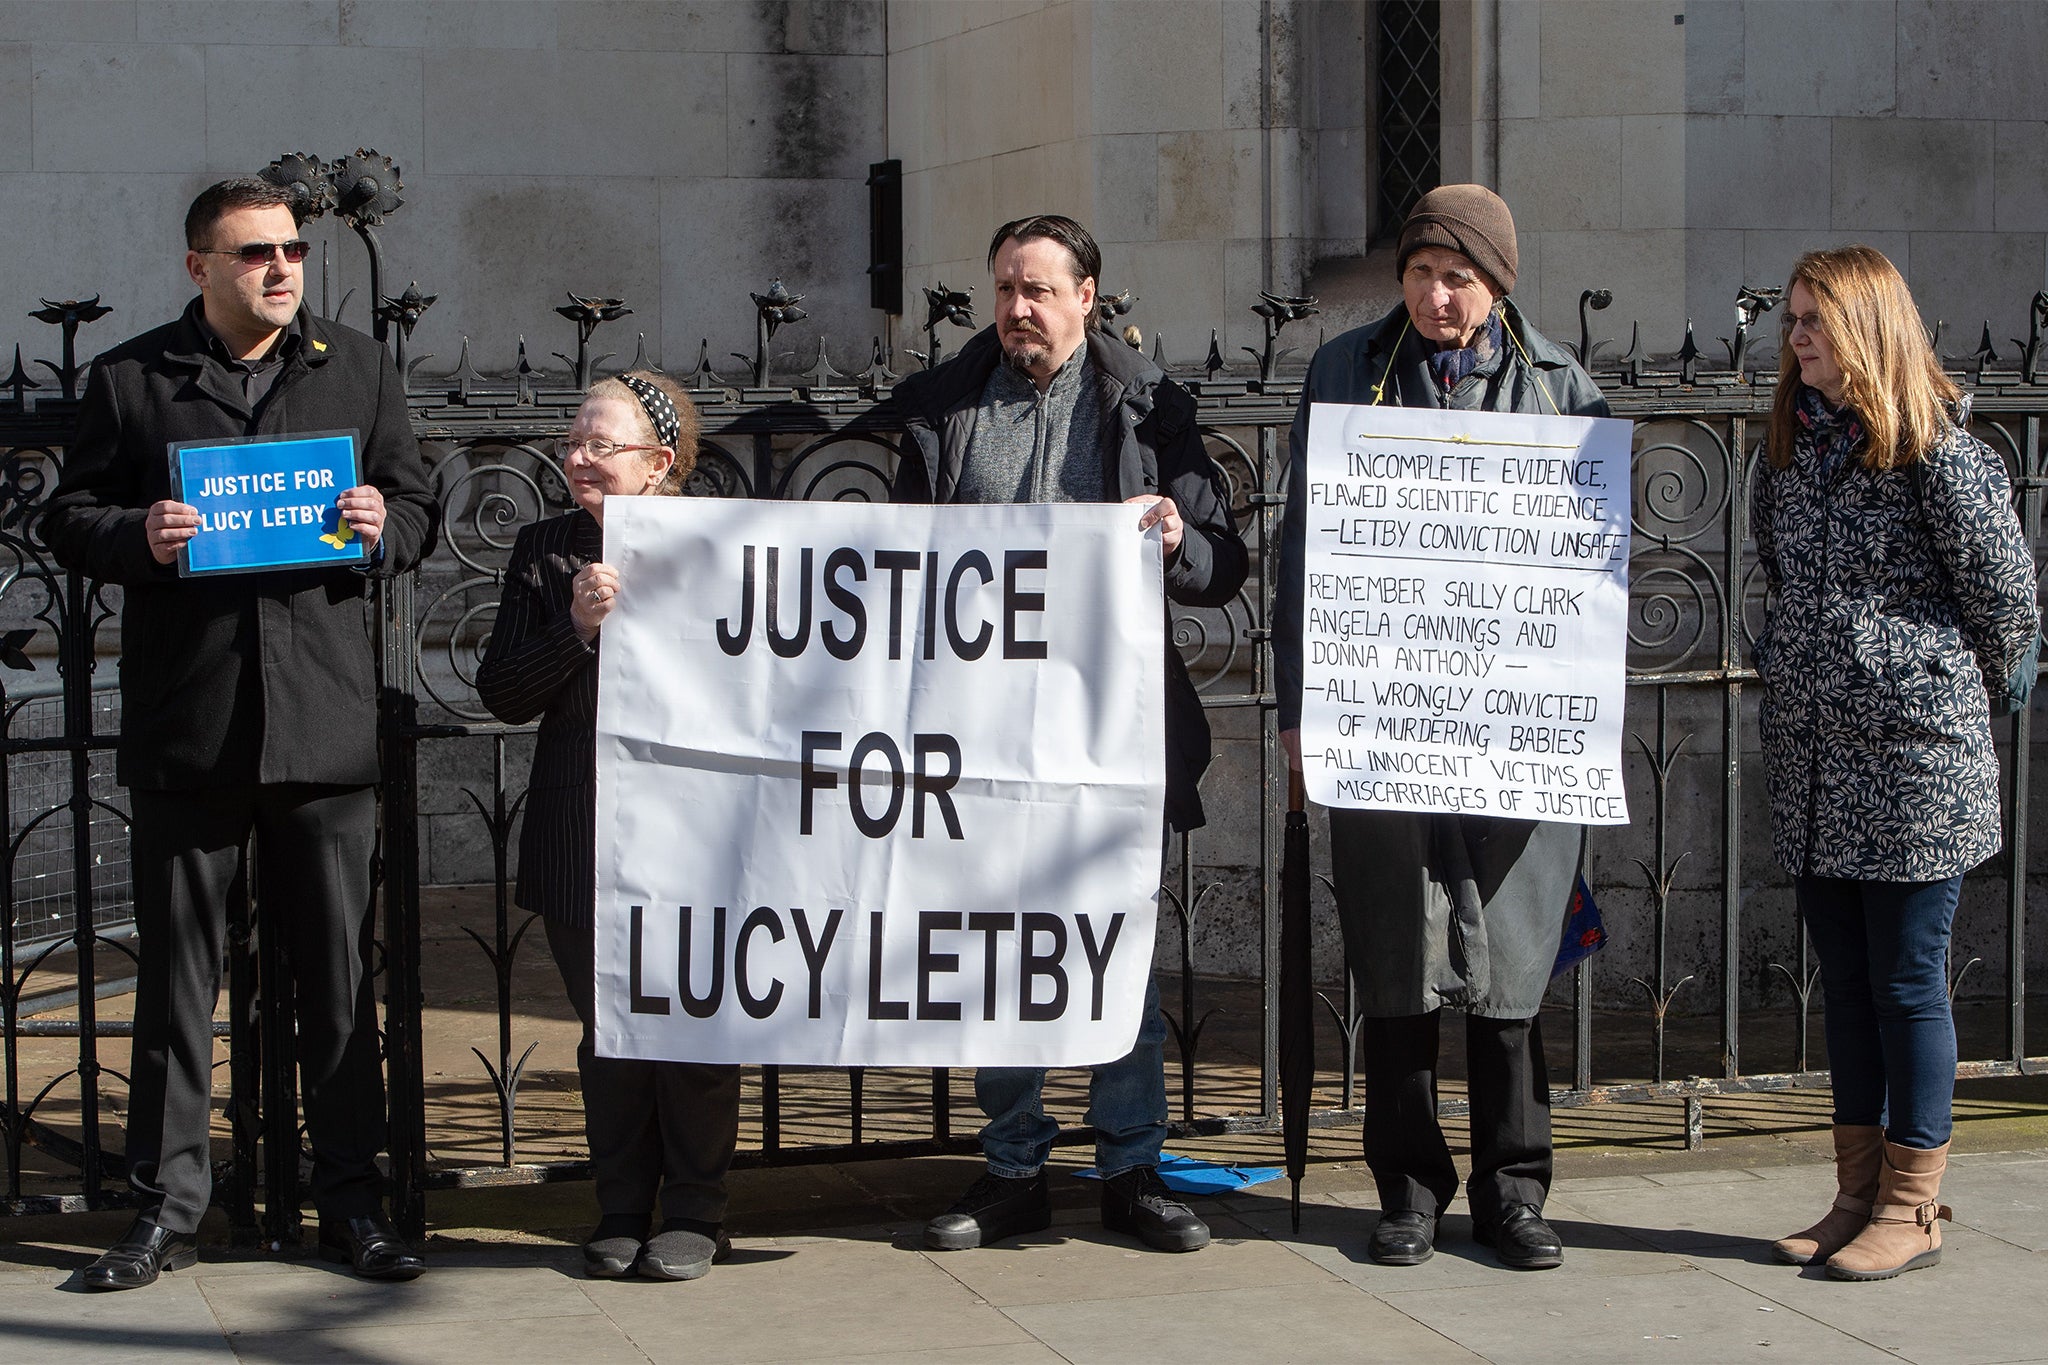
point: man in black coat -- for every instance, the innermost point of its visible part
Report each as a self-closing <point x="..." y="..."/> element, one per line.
<point x="248" y="705"/>
<point x="1044" y="407"/>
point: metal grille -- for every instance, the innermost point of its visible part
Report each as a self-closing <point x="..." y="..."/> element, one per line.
<point x="38" y="789"/>
<point x="1408" y="86"/>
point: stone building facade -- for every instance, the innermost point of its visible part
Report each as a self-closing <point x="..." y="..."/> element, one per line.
<point x="679" y="155"/>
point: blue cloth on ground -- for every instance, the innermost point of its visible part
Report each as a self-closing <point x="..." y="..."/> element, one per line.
<point x="1186" y="1175"/>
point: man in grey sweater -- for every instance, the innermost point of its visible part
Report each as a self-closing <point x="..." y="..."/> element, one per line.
<point x="1044" y="407"/>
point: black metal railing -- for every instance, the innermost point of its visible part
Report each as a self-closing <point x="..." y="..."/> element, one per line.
<point x="1710" y="936"/>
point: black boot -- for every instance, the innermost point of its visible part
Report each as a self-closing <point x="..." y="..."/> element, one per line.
<point x="994" y="1207"/>
<point x="144" y="1252"/>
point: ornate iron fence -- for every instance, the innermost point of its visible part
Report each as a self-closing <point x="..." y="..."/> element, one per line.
<point x="1684" y="879"/>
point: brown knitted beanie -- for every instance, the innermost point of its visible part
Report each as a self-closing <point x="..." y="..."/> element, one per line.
<point x="1469" y="219"/>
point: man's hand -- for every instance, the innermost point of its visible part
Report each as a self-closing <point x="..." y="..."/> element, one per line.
<point x="169" y="526"/>
<point x="592" y="595"/>
<point x="363" y="508"/>
<point x="1290" y="741"/>
<point x="1160" y="512"/>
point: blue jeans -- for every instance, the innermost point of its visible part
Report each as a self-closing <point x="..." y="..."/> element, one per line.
<point x="1126" y="1106"/>
<point x="1883" y="949"/>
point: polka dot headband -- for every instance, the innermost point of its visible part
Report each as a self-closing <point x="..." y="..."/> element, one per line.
<point x="662" y="412"/>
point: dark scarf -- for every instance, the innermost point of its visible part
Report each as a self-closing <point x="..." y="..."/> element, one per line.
<point x="1832" y="433"/>
<point x="1450" y="367"/>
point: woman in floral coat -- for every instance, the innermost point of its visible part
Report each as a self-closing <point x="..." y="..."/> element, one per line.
<point x="1900" y="587"/>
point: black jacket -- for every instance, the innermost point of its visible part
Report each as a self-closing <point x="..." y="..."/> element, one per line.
<point x="537" y="665"/>
<point x="1150" y="444"/>
<point x="263" y="677"/>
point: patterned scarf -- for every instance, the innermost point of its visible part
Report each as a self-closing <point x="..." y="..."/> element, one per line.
<point x="1832" y="433"/>
<point x="1450" y="367"/>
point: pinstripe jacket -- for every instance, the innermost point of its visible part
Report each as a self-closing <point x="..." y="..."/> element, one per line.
<point x="536" y="665"/>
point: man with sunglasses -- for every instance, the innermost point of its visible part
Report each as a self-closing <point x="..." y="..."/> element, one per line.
<point x="248" y="707"/>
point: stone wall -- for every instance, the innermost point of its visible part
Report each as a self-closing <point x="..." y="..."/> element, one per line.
<point x="676" y="155"/>
<point x="1675" y="152"/>
<point x="1214" y="147"/>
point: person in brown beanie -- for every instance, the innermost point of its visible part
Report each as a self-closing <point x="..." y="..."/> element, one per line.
<point x="1407" y="883"/>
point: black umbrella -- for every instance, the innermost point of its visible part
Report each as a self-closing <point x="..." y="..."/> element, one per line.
<point x="1297" y="992"/>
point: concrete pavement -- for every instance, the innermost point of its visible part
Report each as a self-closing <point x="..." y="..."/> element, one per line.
<point x="1666" y="1261"/>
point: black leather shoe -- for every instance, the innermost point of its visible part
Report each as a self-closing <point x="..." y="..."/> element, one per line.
<point x="1139" y="1204"/>
<point x="994" y="1207"/>
<point x="1403" y="1237"/>
<point x="371" y="1246"/>
<point x="1523" y="1241"/>
<point x="144" y="1252"/>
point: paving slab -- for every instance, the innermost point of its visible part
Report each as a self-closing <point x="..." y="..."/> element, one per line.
<point x="315" y="1299"/>
<point x="1323" y="1320"/>
<point x="812" y="1298"/>
<point x="587" y="1340"/>
<point x="1336" y="1239"/>
<point x="1083" y="1263"/>
<point x="1685" y="1315"/>
<point x="2007" y="1199"/>
<point x="1738" y="1216"/>
<point x="55" y="1325"/>
<point x="1981" y="1304"/>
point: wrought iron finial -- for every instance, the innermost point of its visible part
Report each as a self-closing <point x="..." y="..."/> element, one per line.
<point x="307" y="177"/>
<point x="1110" y="307"/>
<point x="1597" y="300"/>
<point x="19" y="380"/>
<point x="877" y="376"/>
<point x="1276" y="311"/>
<point x="771" y="311"/>
<point x="1689" y="357"/>
<point x="2037" y="322"/>
<point x="70" y="315"/>
<point x="703" y="376"/>
<point x="944" y="305"/>
<point x="526" y="374"/>
<point x="366" y="186"/>
<point x="405" y="310"/>
<point x="1750" y="304"/>
<point x="821" y="374"/>
<point x="1213" y="364"/>
<point x="588" y="314"/>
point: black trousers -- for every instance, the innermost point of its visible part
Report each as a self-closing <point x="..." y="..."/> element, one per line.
<point x="1509" y="1085"/>
<point x="658" y="1131"/>
<point x="313" y="891"/>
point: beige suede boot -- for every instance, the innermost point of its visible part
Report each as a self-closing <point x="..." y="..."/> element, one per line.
<point x="1859" y="1151"/>
<point x="1904" y="1232"/>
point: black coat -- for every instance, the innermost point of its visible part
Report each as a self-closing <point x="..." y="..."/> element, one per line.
<point x="536" y="665"/>
<point x="261" y="677"/>
<point x="1150" y="444"/>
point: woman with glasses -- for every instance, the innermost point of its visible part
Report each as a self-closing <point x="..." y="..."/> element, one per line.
<point x="1900" y="587"/>
<point x="661" y="1134"/>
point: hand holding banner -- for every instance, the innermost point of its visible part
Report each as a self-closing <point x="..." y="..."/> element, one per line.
<point x="878" y="785"/>
<point x="267" y="502"/>
<point x="1465" y="618"/>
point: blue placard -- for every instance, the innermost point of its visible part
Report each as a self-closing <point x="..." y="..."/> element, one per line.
<point x="267" y="502"/>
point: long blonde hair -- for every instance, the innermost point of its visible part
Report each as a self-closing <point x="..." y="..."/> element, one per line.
<point x="1893" y="382"/>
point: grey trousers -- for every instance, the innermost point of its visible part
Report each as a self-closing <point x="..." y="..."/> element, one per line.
<point x="313" y="846"/>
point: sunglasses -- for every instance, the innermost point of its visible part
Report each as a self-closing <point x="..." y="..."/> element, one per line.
<point x="258" y="253"/>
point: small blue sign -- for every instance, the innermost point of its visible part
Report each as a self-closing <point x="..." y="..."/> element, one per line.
<point x="267" y="502"/>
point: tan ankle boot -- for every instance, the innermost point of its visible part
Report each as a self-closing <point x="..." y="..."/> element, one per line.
<point x="1859" y="1151"/>
<point x="1904" y="1232"/>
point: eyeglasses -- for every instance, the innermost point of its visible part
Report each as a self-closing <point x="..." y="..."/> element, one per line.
<point x="1809" y="322"/>
<point x="258" y="253"/>
<point x="599" y="450"/>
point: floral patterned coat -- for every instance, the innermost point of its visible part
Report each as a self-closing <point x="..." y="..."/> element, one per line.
<point x="1893" y="597"/>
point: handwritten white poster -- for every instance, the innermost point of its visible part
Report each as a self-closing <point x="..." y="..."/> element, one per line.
<point x="877" y="785"/>
<point x="1465" y="621"/>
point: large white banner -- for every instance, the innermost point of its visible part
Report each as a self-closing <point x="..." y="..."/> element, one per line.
<point x="878" y="785"/>
<point x="1465" y="622"/>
